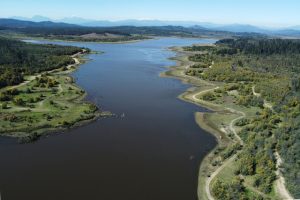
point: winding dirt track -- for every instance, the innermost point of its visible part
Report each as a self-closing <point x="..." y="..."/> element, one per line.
<point x="203" y="92"/>
<point x="32" y="78"/>
<point x="231" y="125"/>
<point x="280" y="182"/>
<point x="213" y="175"/>
<point x="232" y="129"/>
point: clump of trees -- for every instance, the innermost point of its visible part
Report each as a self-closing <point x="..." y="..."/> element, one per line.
<point x="8" y="94"/>
<point x="263" y="46"/>
<point x="229" y="191"/>
<point x="251" y="101"/>
<point x="203" y="58"/>
<point x="199" y="48"/>
<point x="227" y="51"/>
<point x="19" y="101"/>
<point x="45" y="81"/>
<point x="193" y="72"/>
<point x="19" y="58"/>
<point x="208" y="96"/>
<point x="200" y="65"/>
<point x="273" y="66"/>
<point x="4" y="105"/>
<point x="10" y="76"/>
<point x="226" y="74"/>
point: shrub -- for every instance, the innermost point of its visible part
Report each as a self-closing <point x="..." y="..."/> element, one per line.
<point x="19" y="101"/>
<point x="4" y="105"/>
<point x="209" y="96"/>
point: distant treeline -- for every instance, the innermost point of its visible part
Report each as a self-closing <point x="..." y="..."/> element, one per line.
<point x="263" y="46"/>
<point x="19" y="58"/>
<point x="122" y="30"/>
<point x="50" y="28"/>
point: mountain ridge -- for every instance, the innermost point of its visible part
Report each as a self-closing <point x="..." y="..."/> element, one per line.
<point x="234" y="27"/>
<point x="71" y="22"/>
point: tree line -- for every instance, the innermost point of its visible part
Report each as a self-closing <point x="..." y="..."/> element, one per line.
<point x="18" y="58"/>
<point x="263" y="46"/>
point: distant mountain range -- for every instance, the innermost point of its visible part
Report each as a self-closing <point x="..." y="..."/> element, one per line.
<point x="36" y="18"/>
<point x="236" y="28"/>
<point x="107" y="23"/>
<point x="134" y="22"/>
<point x="14" y="23"/>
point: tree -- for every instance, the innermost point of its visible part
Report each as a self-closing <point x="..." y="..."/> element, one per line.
<point x="295" y="84"/>
<point x="247" y="164"/>
<point x="19" y="101"/>
<point x="220" y="189"/>
<point x="4" y="105"/>
<point x="209" y="96"/>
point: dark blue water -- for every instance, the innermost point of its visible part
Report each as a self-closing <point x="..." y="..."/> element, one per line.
<point x="154" y="153"/>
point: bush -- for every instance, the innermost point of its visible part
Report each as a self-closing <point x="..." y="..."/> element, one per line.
<point x="209" y="96"/>
<point x="30" y="138"/>
<point x="201" y="65"/>
<point x="251" y="100"/>
<point x="4" y="105"/>
<point x="19" y="101"/>
<point x="229" y="191"/>
<point x="242" y="122"/>
<point x="247" y="165"/>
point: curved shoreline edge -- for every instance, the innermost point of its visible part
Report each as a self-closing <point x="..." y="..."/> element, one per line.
<point x="219" y="122"/>
<point x="210" y="122"/>
<point x="197" y="85"/>
<point x="41" y="132"/>
<point x="91" y="42"/>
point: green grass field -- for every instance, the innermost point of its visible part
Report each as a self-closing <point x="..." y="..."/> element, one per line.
<point x="44" y="108"/>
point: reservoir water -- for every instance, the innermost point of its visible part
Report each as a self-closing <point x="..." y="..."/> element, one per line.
<point x="152" y="153"/>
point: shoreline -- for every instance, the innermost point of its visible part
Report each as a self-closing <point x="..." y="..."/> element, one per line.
<point x="201" y="118"/>
<point x="219" y="121"/>
<point x="42" y="132"/>
<point x="79" y="41"/>
<point x="117" y="42"/>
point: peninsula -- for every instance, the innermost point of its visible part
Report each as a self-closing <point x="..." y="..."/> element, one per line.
<point x="37" y="94"/>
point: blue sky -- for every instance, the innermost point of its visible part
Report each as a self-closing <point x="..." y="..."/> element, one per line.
<point x="257" y="12"/>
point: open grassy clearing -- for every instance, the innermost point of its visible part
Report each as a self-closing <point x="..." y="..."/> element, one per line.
<point x="43" y="103"/>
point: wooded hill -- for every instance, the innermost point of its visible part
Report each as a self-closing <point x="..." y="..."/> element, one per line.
<point x="18" y="58"/>
<point x="272" y="67"/>
<point x="72" y="32"/>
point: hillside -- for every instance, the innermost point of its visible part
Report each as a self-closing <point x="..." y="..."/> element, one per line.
<point x="292" y="31"/>
<point x="19" y="58"/>
<point x="258" y="79"/>
<point x="51" y="30"/>
<point x="19" y="24"/>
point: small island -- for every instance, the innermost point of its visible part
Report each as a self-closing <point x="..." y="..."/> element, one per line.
<point x="37" y="93"/>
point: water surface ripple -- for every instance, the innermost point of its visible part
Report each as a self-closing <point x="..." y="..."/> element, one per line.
<point x="153" y="153"/>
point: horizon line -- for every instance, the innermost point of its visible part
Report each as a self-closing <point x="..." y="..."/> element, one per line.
<point x="274" y="25"/>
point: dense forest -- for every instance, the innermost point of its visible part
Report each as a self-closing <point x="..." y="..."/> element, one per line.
<point x="18" y="58"/>
<point x="32" y="28"/>
<point x="263" y="46"/>
<point x="272" y="67"/>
